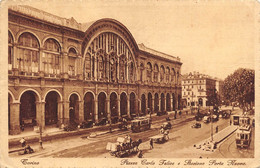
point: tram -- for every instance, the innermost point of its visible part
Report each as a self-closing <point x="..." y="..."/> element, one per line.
<point x="244" y="130"/>
<point x="243" y="136"/>
<point x="140" y="124"/>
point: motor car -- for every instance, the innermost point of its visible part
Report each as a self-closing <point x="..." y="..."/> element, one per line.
<point x="206" y="119"/>
<point x="167" y="125"/>
<point x="196" y="125"/>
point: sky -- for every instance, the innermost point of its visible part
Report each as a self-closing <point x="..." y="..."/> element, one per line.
<point x="211" y="37"/>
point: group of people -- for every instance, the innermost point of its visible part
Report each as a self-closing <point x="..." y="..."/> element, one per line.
<point x="26" y="148"/>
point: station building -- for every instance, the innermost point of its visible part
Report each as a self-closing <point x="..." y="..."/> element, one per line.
<point x="62" y="71"/>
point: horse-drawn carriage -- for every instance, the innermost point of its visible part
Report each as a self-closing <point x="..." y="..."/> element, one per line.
<point x="123" y="147"/>
<point x="162" y="137"/>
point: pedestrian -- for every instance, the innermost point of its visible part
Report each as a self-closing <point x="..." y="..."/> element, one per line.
<point x="151" y="144"/>
<point x="23" y="142"/>
<point x="216" y="129"/>
<point x="140" y="154"/>
<point x="230" y="122"/>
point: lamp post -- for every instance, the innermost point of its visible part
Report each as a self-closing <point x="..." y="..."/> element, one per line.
<point x="40" y="138"/>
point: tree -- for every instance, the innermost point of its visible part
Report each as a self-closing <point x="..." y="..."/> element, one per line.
<point x="240" y="87"/>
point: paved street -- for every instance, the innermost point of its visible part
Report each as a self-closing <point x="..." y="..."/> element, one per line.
<point x="180" y="144"/>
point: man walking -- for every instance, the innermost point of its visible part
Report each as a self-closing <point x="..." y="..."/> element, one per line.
<point x="151" y="144"/>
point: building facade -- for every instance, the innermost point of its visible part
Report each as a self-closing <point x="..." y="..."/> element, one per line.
<point x="62" y="71"/>
<point x="196" y="89"/>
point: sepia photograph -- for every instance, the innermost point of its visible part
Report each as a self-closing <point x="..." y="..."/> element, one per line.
<point x="132" y="83"/>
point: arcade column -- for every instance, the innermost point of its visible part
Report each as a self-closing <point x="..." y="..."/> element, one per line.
<point x="66" y="112"/>
<point x="96" y="110"/>
<point x="14" y="118"/>
<point x="81" y="111"/>
<point x="40" y="114"/>
<point x="118" y="108"/>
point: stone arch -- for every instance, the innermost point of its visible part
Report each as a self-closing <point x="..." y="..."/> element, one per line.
<point x="54" y="38"/>
<point x="31" y="32"/>
<point x="61" y="98"/>
<point x="33" y="90"/>
<point x="74" y="92"/>
<point x="75" y="48"/>
<point x="11" y="94"/>
<point x="12" y="35"/>
<point x="90" y="92"/>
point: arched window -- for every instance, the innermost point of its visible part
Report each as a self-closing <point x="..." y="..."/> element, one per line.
<point x="149" y="72"/>
<point x="87" y="66"/>
<point x="141" y="72"/>
<point x="156" y="72"/>
<point x="10" y="51"/>
<point x="28" y="58"/>
<point x="162" y="72"/>
<point x="51" y="57"/>
<point x="167" y="75"/>
<point x="178" y="77"/>
<point x="173" y="75"/>
<point x="72" y="62"/>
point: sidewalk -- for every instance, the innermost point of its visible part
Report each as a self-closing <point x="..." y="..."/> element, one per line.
<point x="208" y="145"/>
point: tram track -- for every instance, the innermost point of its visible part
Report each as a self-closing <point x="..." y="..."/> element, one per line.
<point x="224" y="148"/>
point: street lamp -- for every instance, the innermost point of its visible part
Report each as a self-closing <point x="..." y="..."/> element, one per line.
<point x="40" y="138"/>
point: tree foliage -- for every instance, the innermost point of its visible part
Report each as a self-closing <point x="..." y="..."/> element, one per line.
<point x="240" y="87"/>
